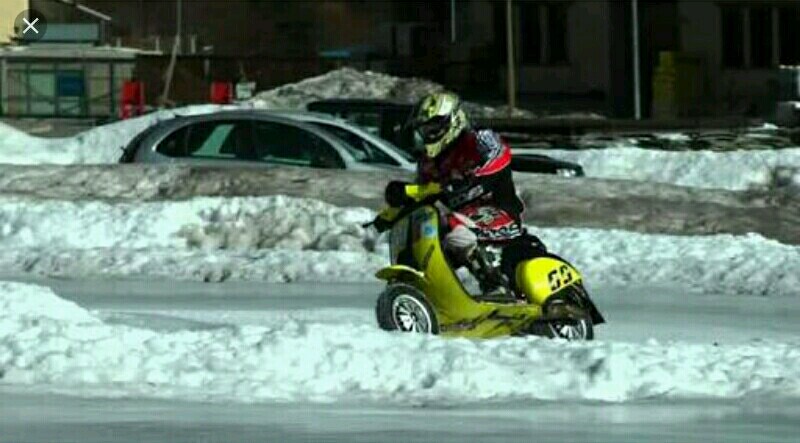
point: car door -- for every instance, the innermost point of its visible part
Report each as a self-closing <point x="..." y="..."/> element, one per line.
<point x="284" y="144"/>
<point x="212" y="142"/>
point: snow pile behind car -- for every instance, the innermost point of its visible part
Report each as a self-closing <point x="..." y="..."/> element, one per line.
<point x="56" y="345"/>
<point x="354" y="84"/>
<point x="288" y="239"/>
<point x="100" y="145"/>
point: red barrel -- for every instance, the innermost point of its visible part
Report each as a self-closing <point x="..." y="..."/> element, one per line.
<point x="221" y="93"/>
<point x="131" y="99"/>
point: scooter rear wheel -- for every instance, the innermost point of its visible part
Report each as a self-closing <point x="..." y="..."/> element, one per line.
<point x="402" y="307"/>
<point x="569" y="322"/>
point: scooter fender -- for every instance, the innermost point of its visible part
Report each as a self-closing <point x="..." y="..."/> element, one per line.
<point x="542" y="277"/>
<point x="404" y="274"/>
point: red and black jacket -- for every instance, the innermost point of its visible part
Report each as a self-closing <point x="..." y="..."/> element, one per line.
<point x="476" y="170"/>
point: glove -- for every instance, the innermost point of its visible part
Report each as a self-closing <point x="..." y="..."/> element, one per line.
<point x="381" y="225"/>
<point x="395" y="194"/>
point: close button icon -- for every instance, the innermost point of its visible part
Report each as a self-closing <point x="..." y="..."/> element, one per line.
<point x="30" y="25"/>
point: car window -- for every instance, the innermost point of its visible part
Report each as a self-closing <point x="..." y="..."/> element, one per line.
<point x="369" y="121"/>
<point x="362" y="150"/>
<point x="289" y="145"/>
<point x="218" y="140"/>
<point x="174" y="145"/>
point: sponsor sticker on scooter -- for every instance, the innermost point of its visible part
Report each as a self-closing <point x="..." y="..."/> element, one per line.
<point x="428" y="231"/>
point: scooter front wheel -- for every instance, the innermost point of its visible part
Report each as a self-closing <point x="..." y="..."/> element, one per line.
<point x="402" y="307"/>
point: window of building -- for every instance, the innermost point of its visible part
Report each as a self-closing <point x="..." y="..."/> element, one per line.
<point x="530" y="32"/>
<point x="541" y="32"/>
<point x="732" y="41"/>
<point x="789" y="35"/>
<point x="760" y="36"/>
<point x="557" y="33"/>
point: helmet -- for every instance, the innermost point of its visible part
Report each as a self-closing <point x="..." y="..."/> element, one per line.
<point x="439" y="120"/>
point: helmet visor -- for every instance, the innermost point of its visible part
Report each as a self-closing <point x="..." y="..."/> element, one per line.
<point x="433" y="129"/>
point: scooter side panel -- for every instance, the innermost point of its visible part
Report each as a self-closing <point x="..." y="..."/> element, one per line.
<point x="542" y="277"/>
<point x="443" y="288"/>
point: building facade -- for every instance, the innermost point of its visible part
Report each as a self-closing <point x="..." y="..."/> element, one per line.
<point x="9" y="10"/>
<point x="696" y="57"/>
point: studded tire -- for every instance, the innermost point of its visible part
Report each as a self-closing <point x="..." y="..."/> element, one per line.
<point x="402" y="307"/>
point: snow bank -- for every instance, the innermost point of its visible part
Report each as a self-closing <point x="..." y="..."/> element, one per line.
<point x="99" y="145"/>
<point x="737" y="170"/>
<point x="209" y="223"/>
<point x="354" y="84"/>
<point x="52" y="343"/>
<point x="287" y="239"/>
<point x="716" y="264"/>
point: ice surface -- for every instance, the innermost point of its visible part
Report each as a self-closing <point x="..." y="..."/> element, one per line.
<point x="288" y="239"/>
<point x="52" y="343"/>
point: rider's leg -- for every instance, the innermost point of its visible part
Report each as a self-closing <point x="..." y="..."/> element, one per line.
<point x="461" y="245"/>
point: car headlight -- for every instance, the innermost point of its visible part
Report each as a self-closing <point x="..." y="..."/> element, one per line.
<point x="565" y="172"/>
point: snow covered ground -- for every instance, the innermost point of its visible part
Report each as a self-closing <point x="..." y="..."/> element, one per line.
<point x="696" y="322"/>
<point x="149" y="361"/>
<point x="319" y="353"/>
<point x="286" y="239"/>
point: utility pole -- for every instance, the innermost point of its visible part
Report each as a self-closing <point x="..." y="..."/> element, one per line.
<point x="174" y="58"/>
<point x="511" y="77"/>
<point x="452" y="21"/>
<point x="637" y="87"/>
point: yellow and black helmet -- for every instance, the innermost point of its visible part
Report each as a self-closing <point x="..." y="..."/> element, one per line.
<point x="439" y="120"/>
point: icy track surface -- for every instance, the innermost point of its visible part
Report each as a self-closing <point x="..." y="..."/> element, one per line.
<point x="287" y="239"/>
<point x="736" y="170"/>
<point x="52" y="343"/>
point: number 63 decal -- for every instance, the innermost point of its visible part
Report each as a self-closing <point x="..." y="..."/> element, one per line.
<point x="559" y="277"/>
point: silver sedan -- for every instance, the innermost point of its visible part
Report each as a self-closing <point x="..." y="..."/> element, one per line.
<point x="264" y="138"/>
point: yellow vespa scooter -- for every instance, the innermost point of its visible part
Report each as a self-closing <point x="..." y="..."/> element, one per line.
<point x="424" y="294"/>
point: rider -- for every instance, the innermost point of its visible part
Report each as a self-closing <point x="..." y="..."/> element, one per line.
<point x="473" y="167"/>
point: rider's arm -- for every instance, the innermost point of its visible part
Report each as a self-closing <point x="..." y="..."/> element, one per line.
<point x="494" y="157"/>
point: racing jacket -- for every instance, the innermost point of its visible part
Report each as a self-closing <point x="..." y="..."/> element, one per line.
<point x="475" y="170"/>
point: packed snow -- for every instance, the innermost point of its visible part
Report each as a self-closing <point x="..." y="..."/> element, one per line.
<point x="99" y="145"/>
<point x="349" y="83"/>
<point x="287" y="239"/>
<point x="51" y="343"/>
<point x="736" y="170"/>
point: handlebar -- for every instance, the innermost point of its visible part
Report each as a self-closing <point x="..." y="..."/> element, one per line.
<point x="383" y="224"/>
